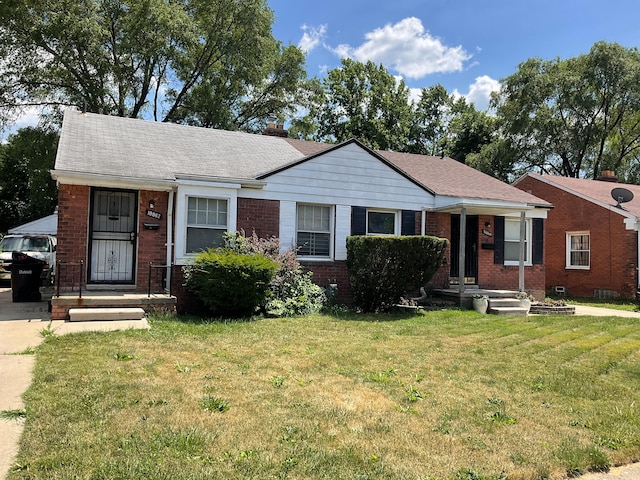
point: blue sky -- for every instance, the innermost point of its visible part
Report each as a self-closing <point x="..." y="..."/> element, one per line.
<point x="465" y="45"/>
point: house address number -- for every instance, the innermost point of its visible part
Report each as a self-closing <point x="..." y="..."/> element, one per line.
<point x="152" y="214"/>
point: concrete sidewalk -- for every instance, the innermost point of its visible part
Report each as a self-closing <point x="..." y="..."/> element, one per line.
<point x="21" y="327"/>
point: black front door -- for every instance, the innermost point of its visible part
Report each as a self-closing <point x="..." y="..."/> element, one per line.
<point x="471" y="250"/>
<point x="113" y="236"/>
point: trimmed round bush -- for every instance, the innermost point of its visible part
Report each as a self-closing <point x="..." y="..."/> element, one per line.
<point x="228" y="283"/>
<point x="383" y="269"/>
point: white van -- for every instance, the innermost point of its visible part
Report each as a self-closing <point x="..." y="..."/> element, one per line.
<point x="42" y="247"/>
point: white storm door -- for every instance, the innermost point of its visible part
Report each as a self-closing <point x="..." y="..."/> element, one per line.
<point x="113" y="237"/>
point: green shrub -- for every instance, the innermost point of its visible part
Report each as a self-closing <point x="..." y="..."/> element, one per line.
<point x="230" y="284"/>
<point x="291" y="291"/>
<point x="383" y="269"/>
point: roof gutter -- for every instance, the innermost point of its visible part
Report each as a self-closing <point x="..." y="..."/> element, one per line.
<point x="113" y="181"/>
<point x="487" y="207"/>
<point x="243" y="182"/>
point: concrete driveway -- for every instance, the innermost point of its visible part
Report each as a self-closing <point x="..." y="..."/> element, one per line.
<point x="21" y="327"/>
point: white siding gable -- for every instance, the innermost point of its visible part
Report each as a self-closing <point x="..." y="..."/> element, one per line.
<point x="345" y="176"/>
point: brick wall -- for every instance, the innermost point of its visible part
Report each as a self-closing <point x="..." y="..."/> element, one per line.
<point x="613" y="248"/>
<point x="152" y="244"/>
<point x="439" y="225"/>
<point x="325" y="271"/>
<point x="73" y="228"/>
<point x="259" y="216"/>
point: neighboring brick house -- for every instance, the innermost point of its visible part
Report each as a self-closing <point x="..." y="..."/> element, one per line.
<point x="591" y="238"/>
<point x="133" y="192"/>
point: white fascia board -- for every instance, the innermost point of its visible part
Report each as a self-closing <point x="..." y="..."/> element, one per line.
<point x="111" y="181"/>
<point x="207" y="184"/>
<point x="220" y="181"/>
<point x="632" y="223"/>
<point x="478" y="206"/>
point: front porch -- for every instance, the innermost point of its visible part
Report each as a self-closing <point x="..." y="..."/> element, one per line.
<point x="107" y="305"/>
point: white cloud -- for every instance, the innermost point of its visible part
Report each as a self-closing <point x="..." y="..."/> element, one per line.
<point x="480" y="91"/>
<point x="312" y="37"/>
<point x="407" y="48"/>
<point x="415" y="94"/>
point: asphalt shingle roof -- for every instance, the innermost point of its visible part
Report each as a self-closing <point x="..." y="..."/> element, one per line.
<point x="139" y="149"/>
<point x="109" y="145"/>
<point x="597" y="190"/>
<point x="446" y="176"/>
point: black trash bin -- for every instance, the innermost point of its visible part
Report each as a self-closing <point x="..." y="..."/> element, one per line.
<point x="25" y="277"/>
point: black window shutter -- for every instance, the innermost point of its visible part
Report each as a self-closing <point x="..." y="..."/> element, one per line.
<point x="498" y="242"/>
<point x="538" y="241"/>
<point x="358" y="221"/>
<point x="408" y="223"/>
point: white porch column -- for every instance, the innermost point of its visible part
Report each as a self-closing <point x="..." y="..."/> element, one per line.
<point x="462" y="248"/>
<point x="170" y="229"/>
<point x="523" y="233"/>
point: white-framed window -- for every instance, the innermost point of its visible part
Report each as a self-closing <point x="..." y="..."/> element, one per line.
<point x="579" y="250"/>
<point x="512" y="241"/>
<point x="207" y="220"/>
<point x="314" y="230"/>
<point x="382" y="222"/>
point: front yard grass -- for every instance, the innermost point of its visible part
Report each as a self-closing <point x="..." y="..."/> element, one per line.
<point x="437" y="395"/>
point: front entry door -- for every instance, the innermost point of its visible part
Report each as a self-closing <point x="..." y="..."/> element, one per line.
<point x="471" y="250"/>
<point x="113" y="236"/>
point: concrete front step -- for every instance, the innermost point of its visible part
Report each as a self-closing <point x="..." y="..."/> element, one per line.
<point x="97" y="314"/>
<point x="504" y="302"/>
<point x="513" y="311"/>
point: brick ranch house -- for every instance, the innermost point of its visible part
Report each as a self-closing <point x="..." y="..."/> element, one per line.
<point x="592" y="239"/>
<point x="133" y="192"/>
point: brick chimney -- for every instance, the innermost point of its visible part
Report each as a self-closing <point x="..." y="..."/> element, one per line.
<point x="608" y="176"/>
<point x="275" y="130"/>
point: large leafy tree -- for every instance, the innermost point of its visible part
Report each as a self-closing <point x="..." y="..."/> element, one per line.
<point x="446" y="124"/>
<point x="213" y="63"/>
<point x="574" y="117"/>
<point x="363" y="101"/>
<point x="27" y="191"/>
<point x="430" y="121"/>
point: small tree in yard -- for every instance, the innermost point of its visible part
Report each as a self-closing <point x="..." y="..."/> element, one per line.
<point x="383" y="269"/>
<point x="230" y="284"/>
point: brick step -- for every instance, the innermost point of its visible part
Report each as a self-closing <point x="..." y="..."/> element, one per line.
<point x="100" y="314"/>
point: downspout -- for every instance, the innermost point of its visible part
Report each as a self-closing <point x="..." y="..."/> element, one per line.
<point x="170" y="232"/>
<point x="423" y="222"/>
<point x="523" y="233"/>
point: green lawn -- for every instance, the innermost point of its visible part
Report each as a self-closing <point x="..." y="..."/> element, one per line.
<point x="438" y="395"/>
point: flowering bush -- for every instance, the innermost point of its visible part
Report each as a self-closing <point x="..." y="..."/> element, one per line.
<point x="291" y="291"/>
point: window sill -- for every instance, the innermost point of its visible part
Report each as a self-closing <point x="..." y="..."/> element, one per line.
<point x="315" y="259"/>
<point x="571" y="267"/>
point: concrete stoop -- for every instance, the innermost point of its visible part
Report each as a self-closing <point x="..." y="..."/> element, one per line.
<point x="105" y="314"/>
<point x="507" y="306"/>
